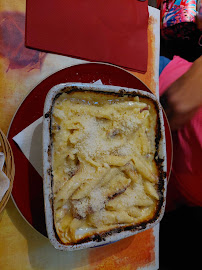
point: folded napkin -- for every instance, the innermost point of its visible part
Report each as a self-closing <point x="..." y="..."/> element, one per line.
<point x="112" y="31"/>
<point x="4" y="181"/>
<point x="2" y="159"/>
<point x="30" y="142"/>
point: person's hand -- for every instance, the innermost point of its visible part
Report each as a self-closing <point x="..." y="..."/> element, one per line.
<point x="199" y="21"/>
<point x="184" y="96"/>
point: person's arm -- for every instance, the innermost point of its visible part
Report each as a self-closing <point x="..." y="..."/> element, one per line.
<point x="199" y="15"/>
<point x="184" y="96"/>
<point x="199" y="21"/>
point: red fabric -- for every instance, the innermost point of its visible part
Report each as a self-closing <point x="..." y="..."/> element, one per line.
<point x="112" y="31"/>
<point x="185" y="185"/>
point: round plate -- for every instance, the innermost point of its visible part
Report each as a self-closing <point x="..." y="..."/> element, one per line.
<point x="28" y="185"/>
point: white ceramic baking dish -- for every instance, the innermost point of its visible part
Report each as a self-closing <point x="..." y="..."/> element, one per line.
<point x="47" y="166"/>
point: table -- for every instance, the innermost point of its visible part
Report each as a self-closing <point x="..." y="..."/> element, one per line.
<point x="20" y="70"/>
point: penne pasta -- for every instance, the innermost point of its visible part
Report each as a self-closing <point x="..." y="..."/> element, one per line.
<point x="151" y="190"/>
<point x="117" y="160"/>
<point x="83" y="190"/>
<point x="143" y="168"/>
<point x="108" y="218"/>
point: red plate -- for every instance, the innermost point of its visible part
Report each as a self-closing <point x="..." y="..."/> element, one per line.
<point x="28" y="185"/>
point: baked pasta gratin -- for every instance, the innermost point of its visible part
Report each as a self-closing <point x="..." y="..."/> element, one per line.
<point x="105" y="168"/>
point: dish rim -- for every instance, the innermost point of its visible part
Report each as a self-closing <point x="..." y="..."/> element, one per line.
<point x="47" y="179"/>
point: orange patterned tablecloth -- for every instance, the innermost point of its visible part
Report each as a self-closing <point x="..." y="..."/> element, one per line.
<point x="21" y="247"/>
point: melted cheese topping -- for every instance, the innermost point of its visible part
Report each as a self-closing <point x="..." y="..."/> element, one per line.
<point x="104" y="173"/>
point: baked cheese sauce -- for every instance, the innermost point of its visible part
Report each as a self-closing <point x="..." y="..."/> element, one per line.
<point x="104" y="173"/>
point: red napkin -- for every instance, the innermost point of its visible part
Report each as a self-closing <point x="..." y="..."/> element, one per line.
<point x="113" y="31"/>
